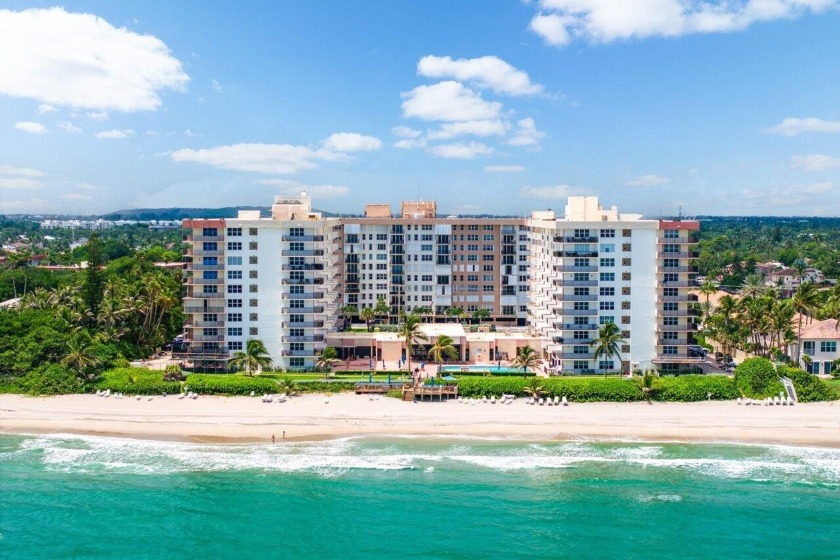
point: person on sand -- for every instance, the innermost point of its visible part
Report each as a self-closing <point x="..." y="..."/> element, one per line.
<point x="272" y="438"/>
<point x="284" y="434"/>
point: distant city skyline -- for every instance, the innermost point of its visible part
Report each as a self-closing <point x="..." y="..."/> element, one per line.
<point x="501" y="108"/>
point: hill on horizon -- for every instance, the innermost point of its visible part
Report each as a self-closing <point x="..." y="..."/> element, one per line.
<point x="178" y="213"/>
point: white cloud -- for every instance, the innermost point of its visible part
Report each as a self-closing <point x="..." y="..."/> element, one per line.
<point x="410" y="143"/>
<point x="88" y="187"/>
<point x="151" y="133"/>
<point x="448" y="101"/>
<point x="815" y="162"/>
<point x="648" y="180"/>
<point x="352" y="142"/>
<point x="819" y="188"/>
<point x="260" y="158"/>
<point x="75" y="196"/>
<point x="526" y="133"/>
<point x="604" y="21"/>
<point x="406" y="132"/>
<point x="504" y="169"/>
<point x="217" y="86"/>
<point x="81" y="60"/>
<point x="476" y="128"/>
<point x="98" y="116"/>
<point x="795" y="127"/>
<point x="19" y="183"/>
<point x="486" y="71"/>
<point x="315" y="191"/>
<point x="189" y="132"/>
<point x="69" y="127"/>
<point x="549" y="192"/>
<point x="20" y="171"/>
<point x="31" y="127"/>
<point x="114" y="134"/>
<point x="45" y="108"/>
<point x="460" y="150"/>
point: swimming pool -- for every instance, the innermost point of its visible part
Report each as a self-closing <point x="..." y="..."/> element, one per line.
<point x="476" y="369"/>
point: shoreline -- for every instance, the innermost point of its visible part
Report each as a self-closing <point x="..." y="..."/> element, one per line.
<point x="247" y="420"/>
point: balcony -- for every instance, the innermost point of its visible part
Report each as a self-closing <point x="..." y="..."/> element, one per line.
<point x="673" y="342"/>
<point x="685" y="297"/>
<point x="303" y="238"/>
<point x="299" y="352"/>
<point x="218" y="238"/>
<point x="679" y="284"/>
<point x="678" y="255"/>
<point x="198" y="252"/>
<point x="590" y="239"/>
<point x="205" y="337"/>
<point x="578" y="312"/>
<point x="587" y="254"/>
<point x="216" y="308"/>
<point x="306" y="310"/>
<point x="304" y="324"/>
<point x="576" y="356"/>
<point x="679" y="313"/>
<point x="197" y="324"/>
<point x="660" y="358"/>
<point x="201" y="266"/>
<point x="204" y="295"/>
<point x="303" y="281"/>
<point x="315" y="338"/>
<point x="676" y="241"/>
<point x="191" y="280"/>
<point x="667" y="268"/>
<point x="686" y="327"/>
<point x="302" y="267"/>
<point x="572" y="297"/>
<point x="302" y="253"/>
<point x="575" y="268"/>
<point x="575" y="327"/>
<point x="308" y="295"/>
<point x="575" y="283"/>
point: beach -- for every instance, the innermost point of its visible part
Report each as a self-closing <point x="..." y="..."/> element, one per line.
<point x="317" y="417"/>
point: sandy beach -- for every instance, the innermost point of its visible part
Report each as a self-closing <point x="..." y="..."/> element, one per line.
<point x="309" y="417"/>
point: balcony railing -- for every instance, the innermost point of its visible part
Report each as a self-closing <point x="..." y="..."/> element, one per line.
<point x="304" y="324"/>
<point x="572" y="297"/>
<point x="677" y="241"/>
<point x="667" y="268"/>
<point x="218" y="238"/>
<point x="678" y="255"/>
<point x="307" y="295"/>
<point x="679" y="284"/>
<point x="573" y="239"/>
<point x="303" y="238"/>
<point x="303" y="281"/>
<point x="303" y="267"/>
<point x="198" y="281"/>
<point x="204" y="295"/>
<point x="205" y="337"/>
<point x="578" y="312"/>
<point x="575" y="327"/>
<point x="660" y="358"/>
<point x="302" y="253"/>
<point x="199" y="252"/>
<point x="687" y="327"/>
<point x="673" y="342"/>
<point x="575" y="268"/>
<point x="575" y="283"/>
<point x="197" y="324"/>
<point x="190" y="309"/>
<point x="576" y="356"/>
<point x="202" y="266"/>
<point x="299" y="352"/>
<point x="568" y="254"/>
<point x="679" y="313"/>
<point x="316" y="338"/>
<point x="305" y="310"/>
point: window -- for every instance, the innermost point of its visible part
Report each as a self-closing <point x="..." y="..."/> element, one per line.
<point x="606" y="305"/>
<point x="234" y="245"/>
<point x="671" y="292"/>
<point x="670" y="306"/>
<point x="603" y="320"/>
<point x="234" y="261"/>
<point x="671" y="321"/>
<point x="828" y="346"/>
<point x="607" y="365"/>
<point x="607" y="276"/>
<point x="488" y="288"/>
<point x="487" y="278"/>
<point x="234" y="288"/>
<point x="672" y="234"/>
<point x="234" y="303"/>
<point x="607" y="262"/>
<point x="489" y="258"/>
<point x="608" y="247"/>
<point x="486" y="247"/>
<point x="580" y="335"/>
<point x="209" y="246"/>
<point x="210" y="261"/>
<point x="237" y="345"/>
<point x="209" y="232"/>
<point x="607" y="233"/>
<point x="234" y="317"/>
<point x="234" y="331"/>
<point x="234" y="274"/>
<point x="210" y="275"/>
<point x="580" y="364"/>
<point x="234" y="232"/>
<point x="426" y="247"/>
<point x="581" y="291"/>
<point x="605" y="291"/>
<point x="489" y="237"/>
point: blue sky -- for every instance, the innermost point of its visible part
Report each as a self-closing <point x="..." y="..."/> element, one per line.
<point x="498" y="107"/>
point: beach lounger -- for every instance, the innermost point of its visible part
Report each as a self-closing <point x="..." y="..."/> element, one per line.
<point x="542" y="401"/>
<point x="493" y="399"/>
<point x="556" y="401"/>
<point x="565" y="401"/>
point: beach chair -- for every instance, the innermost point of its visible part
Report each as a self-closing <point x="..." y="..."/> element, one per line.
<point x="790" y="401"/>
<point x="556" y="401"/>
<point x="739" y="401"/>
<point x="253" y="393"/>
<point x="493" y="399"/>
<point x="541" y="401"/>
<point x="565" y="401"/>
<point x="281" y="398"/>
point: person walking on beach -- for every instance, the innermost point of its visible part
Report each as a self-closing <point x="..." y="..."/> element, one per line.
<point x="272" y="438"/>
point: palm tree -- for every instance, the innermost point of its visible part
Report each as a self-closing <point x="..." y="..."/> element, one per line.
<point x="410" y="332"/>
<point x="424" y="311"/>
<point x="481" y="314"/>
<point x="753" y="286"/>
<point x="253" y="358"/>
<point x="455" y="312"/>
<point x="382" y="308"/>
<point x="647" y="383"/>
<point x="367" y="315"/>
<point x="805" y="300"/>
<point x="349" y="311"/>
<point x="707" y="289"/>
<point x="79" y="356"/>
<point x="526" y="358"/>
<point x="443" y="348"/>
<point x="534" y="388"/>
<point x="326" y="359"/>
<point x="608" y="343"/>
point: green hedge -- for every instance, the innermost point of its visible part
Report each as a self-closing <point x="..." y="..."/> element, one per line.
<point x="360" y="372"/>
<point x="135" y="381"/>
<point x="228" y="384"/>
<point x="809" y="387"/>
<point x="757" y="378"/>
<point x="691" y="388"/>
<point x="49" y="380"/>
<point x="324" y="386"/>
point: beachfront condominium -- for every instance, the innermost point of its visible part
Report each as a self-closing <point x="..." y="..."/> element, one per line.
<point x="593" y="266"/>
<point x="274" y="279"/>
<point x="418" y="261"/>
<point x="285" y="279"/>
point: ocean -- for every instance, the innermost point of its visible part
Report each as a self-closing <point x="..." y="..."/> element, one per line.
<point x="64" y="496"/>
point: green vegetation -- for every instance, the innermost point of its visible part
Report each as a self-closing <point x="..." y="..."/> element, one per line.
<point x="252" y="359"/>
<point x="526" y="358"/>
<point x="608" y="343"/>
<point x="443" y="348"/>
<point x="226" y="384"/>
<point x="756" y="377"/>
<point x="410" y="332"/>
<point x="136" y="381"/>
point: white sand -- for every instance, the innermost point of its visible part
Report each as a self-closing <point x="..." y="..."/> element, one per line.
<point x="232" y="419"/>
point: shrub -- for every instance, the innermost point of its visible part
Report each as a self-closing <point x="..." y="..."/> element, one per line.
<point x="809" y="387"/>
<point x="228" y="384"/>
<point x="136" y="381"/>
<point x="173" y="373"/>
<point x="577" y="390"/>
<point x="690" y="388"/>
<point x="324" y="386"/>
<point x="757" y="377"/>
<point x="49" y="380"/>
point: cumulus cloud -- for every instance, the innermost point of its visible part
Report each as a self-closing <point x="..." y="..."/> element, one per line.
<point x="410" y="143"/>
<point x="19" y="183"/>
<point x="20" y="171"/>
<point x="819" y="188"/>
<point x="31" y="127"/>
<point x="504" y="169"/>
<point x="475" y="128"/>
<point x="815" y="162"/>
<point x="293" y="187"/>
<point x="80" y="60"/>
<point x="75" y="196"/>
<point x="352" y="142"/>
<point x="448" y="101"/>
<point x="217" y="86"/>
<point x="603" y="21"/>
<point x="88" y="187"/>
<point x="648" y="180"/>
<point x="460" y="150"/>
<point x="189" y="132"/>
<point x="526" y="133"/>
<point x="549" y="192"/>
<point x="45" y="108"/>
<point x="115" y="134"/>
<point x="795" y="127"/>
<point x="486" y="72"/>
<point x="98" y="115"/>
<point x="69" y="127"/>
<point x="406" y="132"/>
<point x="260" y="158"/>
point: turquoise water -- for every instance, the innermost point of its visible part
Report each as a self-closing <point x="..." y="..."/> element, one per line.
<point x="491" y="369"/>
<point x="90" y="497"/>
